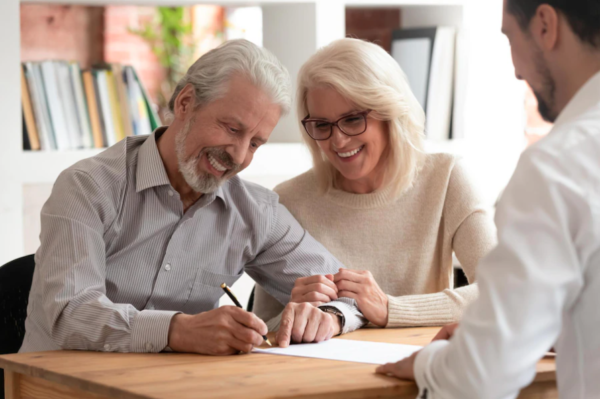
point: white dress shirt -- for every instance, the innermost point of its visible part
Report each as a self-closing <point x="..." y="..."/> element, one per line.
<point x="540" y="287"/>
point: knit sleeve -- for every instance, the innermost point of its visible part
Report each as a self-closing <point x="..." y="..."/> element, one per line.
<point x="471" y="230"/>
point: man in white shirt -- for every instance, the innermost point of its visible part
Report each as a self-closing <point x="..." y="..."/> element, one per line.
<point x="540" y="287"/>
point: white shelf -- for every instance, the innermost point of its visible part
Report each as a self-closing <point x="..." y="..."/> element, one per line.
<point x="45" y="166"/>
<point x="349" y="3"/>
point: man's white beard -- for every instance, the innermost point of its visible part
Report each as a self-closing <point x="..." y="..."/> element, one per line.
<point x="199" y="181"/>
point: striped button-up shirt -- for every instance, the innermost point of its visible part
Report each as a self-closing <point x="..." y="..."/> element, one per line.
<point x="119" y="256"/>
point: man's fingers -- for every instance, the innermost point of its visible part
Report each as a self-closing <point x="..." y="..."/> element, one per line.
<point x="247" y="335"/>
<point x="324" y="333"/>
<point x="310" y="331"/>
<point x="300" y="323"/>
<point x="386" y="368"/>
<point x="394" y="369"/>
<point x="249" y="320"/>
<point x="240" y="346"/>
<point x="284" y="333"/>
<point x="445" y="332"/>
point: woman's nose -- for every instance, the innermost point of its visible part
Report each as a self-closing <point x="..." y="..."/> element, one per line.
<point x="338" y="138"/>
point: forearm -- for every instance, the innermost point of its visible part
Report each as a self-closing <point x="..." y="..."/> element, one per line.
<point x="436" y="309"/>
<point x="93" y="322"/>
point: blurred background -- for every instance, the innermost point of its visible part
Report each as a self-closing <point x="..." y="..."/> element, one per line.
<point x="134" y="52"/>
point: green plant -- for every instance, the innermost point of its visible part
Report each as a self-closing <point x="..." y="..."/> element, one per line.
<point x="170" y="36"/>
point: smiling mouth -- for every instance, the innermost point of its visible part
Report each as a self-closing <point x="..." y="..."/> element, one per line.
<point x="219" y="167"/>
<point x="350" y="153"/>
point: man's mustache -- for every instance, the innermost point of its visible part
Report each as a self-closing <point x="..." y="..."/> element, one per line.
<point x="223" y="157"/>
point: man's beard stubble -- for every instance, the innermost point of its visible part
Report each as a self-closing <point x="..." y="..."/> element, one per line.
<point x="546" y="97"/>
<point x="200" y="181"/>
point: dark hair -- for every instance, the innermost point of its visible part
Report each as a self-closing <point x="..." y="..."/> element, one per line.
<point x="583" y="16"/>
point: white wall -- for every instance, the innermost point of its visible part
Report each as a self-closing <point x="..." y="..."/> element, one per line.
<point x="293" y="32"/>
<point x="11" y="207"/>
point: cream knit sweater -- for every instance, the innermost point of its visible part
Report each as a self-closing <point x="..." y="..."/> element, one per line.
<point x="406" y="242"/>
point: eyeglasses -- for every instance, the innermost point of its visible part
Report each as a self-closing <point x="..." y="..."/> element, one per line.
<point x="350" y="125"/>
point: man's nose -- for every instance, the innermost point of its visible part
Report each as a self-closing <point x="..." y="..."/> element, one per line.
<point x="238" y="152"/>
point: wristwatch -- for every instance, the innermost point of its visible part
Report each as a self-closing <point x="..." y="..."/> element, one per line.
<point x="335" y="311"/>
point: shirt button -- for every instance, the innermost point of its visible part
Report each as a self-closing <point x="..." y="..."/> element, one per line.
<point x="167" y="267"/>
<point x="107" y="347"/>
<point x="149" y="347"/>
<point x="170" y="193"/>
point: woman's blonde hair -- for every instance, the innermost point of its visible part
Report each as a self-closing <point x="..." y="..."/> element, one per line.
<point x="370" y="78"/>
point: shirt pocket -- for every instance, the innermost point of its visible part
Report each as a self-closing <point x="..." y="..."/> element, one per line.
<point x="206" y="291"/>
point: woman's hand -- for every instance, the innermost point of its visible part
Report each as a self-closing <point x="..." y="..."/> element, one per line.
<point x="362" y="287"/>
<point x="315" y="290"/>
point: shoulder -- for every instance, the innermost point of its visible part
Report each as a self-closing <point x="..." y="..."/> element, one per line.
<point x="246" y="194"/>
<point x="446" y="171"/>
<point x="110" y="167"/>
<point x="301" y="187"/>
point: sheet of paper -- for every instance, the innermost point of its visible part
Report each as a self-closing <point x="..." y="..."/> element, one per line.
<point x="347" y="350"/>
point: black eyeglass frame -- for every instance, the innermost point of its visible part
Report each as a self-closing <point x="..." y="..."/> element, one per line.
<point x="364" y="114"/>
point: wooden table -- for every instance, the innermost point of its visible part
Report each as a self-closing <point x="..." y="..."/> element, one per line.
<point x="83" y="375"/>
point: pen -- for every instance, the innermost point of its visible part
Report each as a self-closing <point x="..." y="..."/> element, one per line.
<point x="239" y="305"/>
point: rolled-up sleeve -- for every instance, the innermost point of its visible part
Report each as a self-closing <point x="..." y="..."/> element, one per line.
<point x="71" y="262"/>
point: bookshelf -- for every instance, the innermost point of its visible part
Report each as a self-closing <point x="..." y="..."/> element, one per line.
<point x="292" y="30"/>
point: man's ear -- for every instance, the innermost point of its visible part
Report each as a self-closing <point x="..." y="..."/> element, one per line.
<point x="545" y="27"/>
<point x="184" y="102"/>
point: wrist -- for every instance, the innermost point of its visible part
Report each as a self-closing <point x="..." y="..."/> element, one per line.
<point x="176" y="331"/>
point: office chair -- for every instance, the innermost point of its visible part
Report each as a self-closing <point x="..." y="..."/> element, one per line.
<point x="15" y="283"/>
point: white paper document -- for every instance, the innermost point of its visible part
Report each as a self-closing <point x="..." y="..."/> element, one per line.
<point x="347" y="350"/>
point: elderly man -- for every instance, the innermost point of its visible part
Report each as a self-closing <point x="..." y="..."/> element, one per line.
<point x="541" y="286"/>
<point x="137" y="240"/>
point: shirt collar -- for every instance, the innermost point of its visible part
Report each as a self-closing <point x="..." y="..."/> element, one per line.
<point x="150" y="168"/>
<point x="587" y="96"/>
<point x="151" y="171"/>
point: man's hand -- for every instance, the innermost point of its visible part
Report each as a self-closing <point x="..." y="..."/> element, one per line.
<point x="223" y="331"/>
<point x="303" y="322"/>
<point x="404" y="369"/>
<point x="446" y="332"/>
<point x="362" y="287"/>
<point x="315" y="290"/>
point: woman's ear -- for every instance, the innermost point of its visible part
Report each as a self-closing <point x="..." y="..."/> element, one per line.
<point x="184" y="102"/>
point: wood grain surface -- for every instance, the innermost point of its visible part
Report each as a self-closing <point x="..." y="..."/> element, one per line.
<point x="95" y="375"/>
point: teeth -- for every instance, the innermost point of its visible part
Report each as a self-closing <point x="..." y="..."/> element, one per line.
<point x="215" y="164"/>
<point x="350" y="153"/>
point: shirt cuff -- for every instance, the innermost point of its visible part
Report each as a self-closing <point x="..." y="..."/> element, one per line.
<point x="422" y="368"/>
<point x="353" y="317"/>
<point x="150" y="331"/>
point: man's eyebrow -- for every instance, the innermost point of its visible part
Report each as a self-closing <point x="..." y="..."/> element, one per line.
<point x="260" y="140"/>
<point x="233" y="120"/>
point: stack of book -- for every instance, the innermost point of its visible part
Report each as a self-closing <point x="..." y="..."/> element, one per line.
<point x="66" y="108"/>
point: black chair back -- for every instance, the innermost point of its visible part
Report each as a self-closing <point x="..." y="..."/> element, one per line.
<point x="15" y="284"/>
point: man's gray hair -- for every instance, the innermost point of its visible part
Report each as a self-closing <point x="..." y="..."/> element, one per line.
<point x="210" y="74"/>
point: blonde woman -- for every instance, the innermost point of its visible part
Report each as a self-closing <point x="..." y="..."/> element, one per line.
<point x="391" y="213"/>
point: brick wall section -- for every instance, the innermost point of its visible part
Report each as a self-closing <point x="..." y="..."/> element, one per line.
<point x="373" y="24"/>
<point x="122" y="46"/>
<point x="63" y="32"/>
